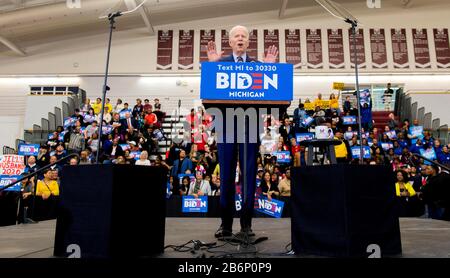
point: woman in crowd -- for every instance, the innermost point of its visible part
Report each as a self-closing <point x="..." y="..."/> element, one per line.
<point x="268" y="188"/>
<point x="143" y="159"/>
<point x="200" y="187"/>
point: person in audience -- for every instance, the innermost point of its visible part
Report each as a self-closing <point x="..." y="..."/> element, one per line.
<point x="91" y="129"/>
<point x="119" y="106"/>
<point x="319" y="115"/>
<point x="143" y="159"/>
<point x="47" y="187"/>
<point x="78" y="115"/>
<point x="286" y="131"/>
<point x="342" y="151"/>
<point x="334" y="103"/>
<point x="120" y="160"/>
<point x="184" y="186"/>
<point x="86" y="106"/>
<point x="60" y="153"/>
<point x="84" y="158"/>
<point x="31" y="165"/>
<point x="43" y="157"/>
<point x="436" y="193"/>
<point x="404" y="191"/>
<point x="76" y="142"/>
<point x="389" y="156"/>
<point x="147" y="105"/>
<point x="129" y="124"/>
<point x="73" y="161"/>
<point x="284" y="186"/>
<point x="55" y="167"/>
<point x="366" y="115"/>
<point x="138" y="108"/>
<point x="347" y="106"/>
<point x="150" y="118"/>
<point x="181" y="165"/>
<point x="444" y="156"/>
<point x="268" y="189"/>
<point x="200" y="187"/>
<point x="318" y="100"/>
<point x="392" y="122"/>
<point x="89" y="117"/>
<point x="125" y="108"/>
<point x="93" y="143"/>
<point x="97" y="106"/>
<point x="299" y="117"/>
<point x="115" y="150"/>
<point x="387" y="97"/>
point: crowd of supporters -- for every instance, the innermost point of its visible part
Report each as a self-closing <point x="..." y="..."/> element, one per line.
<point x="132" y="135"/>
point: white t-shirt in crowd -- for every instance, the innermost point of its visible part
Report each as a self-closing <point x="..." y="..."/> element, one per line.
<point x="143" y="162"/>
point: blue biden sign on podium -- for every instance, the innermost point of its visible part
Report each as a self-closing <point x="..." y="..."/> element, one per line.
<point x="246" y="81"/>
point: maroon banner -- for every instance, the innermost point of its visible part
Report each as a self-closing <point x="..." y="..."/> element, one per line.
<point x="186" y="50"/>
<point x="225" y="43"/>
<point x="399" y="48"/>
<point x="378" y="48"/>
<point x="252" y="50"/>
<point x="271" y="37"/>
<point x="336" y="48"/>
<point x="205" y="37"/>
<point x="292" y="47"/>
<point x="314" y="48"/>
<point x="361" y="50"/>
<point x="164" y="52"/>
<point x="441" y="43"/>
<point x="421" y="48"/>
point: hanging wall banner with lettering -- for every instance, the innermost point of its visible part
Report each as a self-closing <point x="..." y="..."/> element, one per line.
<point x="205" y="37"/>
<point x="421" y="49"/>
<point x="399" y="48"/>
<point x="252" y="50"/>
<point x="442" y="47"/>
<point x="225" y="43"/>
<point x="336" y="48"/>
<point x="186" y="50"/>
<point x="293" y="48"/>
<point x="378" y="48"/>
<point x="314" y="48"/>
<point x="164" y="55"/>
<point x="271" y="37"/>
<point x="361" y="50"/>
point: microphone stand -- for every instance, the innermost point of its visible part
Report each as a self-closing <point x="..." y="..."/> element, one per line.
<point x="111" y="18"/>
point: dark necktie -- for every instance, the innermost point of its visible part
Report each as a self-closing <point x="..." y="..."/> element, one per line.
<point x="240" y="59"/>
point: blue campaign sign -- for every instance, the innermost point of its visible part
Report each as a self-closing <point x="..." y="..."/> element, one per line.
<point x="61" y="135"/>
<point x="349" y="120"/>
<point x="387" y="145"/>
<point x="107" y="129"/>
<point x="192" y="204"/>
<point x="238" y="202"/>
<point x="68" y="122"/>
<point x="123" y="113"/>
<point x="391" y="134"/>
<point x="246" y="81"/>
<point x="306" y="122"/>
<point x="7" y="180"/>
<point x="28" y="149"/>
<point x="428" y="153"/>
<point x="191" y="177"/>
<point x="356" y="151"/>
<point x="282" y="156"/>
<point x="349" y="134"/>
<point x="124" y="147"/>
<point x="364" y="96"/>
<point x="304" y="136"/>
<point x="273" y="208"/>
<point x="135" y="155"/>
<point x="89" y="118"/>
<point x="416" y="131"/>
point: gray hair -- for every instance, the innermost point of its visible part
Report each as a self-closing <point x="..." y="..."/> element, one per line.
<point x="235" y="28"/>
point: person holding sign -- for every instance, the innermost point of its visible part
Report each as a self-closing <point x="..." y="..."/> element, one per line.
<point x="239" y="42"/>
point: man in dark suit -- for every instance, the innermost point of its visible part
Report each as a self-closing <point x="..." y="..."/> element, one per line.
<point x="128" y="125"/>
<point x="228" y="152"/>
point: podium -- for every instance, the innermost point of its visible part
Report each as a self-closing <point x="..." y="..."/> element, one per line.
<point x="344" y="210"/>
<point x="110" y="211"/>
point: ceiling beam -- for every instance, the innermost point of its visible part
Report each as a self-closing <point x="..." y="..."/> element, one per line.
<point x="12" y="46"/>
<point x="282" y="11"/>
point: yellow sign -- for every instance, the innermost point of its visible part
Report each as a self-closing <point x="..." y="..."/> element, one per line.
<point x="338" y="86"/>
<point x="325" y="104"/>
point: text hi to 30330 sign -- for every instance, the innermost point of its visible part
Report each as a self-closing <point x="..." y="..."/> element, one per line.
<point x="246" y="81"/>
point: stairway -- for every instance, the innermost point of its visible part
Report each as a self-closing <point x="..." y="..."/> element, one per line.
<point x="381" y="119"/>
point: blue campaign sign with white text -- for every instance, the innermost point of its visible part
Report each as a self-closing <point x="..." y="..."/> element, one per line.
<point x="282" y="156"/>
<point x="192" y="204"/>
<point x="7" y="180"/>
<point x="428" y="153"/>
<point x="306" y="122"/>
<point x="246" y="81"/>
<point x="272" y="208"/>
<point x="356" y="150"/>
<point x="349" y="120"/>
<point x="304" y="136"/>
<point x="28" y="149"/>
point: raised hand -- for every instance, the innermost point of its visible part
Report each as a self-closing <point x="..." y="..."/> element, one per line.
<point x="211" y="50"/>
<point x="271" y="55"/>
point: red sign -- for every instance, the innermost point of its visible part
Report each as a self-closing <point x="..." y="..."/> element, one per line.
<point x="186" y="50"/>
<point x="205" y="37"/>
<point x="164" y="52"/>
<point x="271" y="37"/>
<point x="361" y="50"/>
<point x="11" y="165"/>
<point x="442" y="48"/>
<point x="336" y="49"/>
<point x="421" y="48"/>
<point x="314" y="48"/>
<point x="378" y="48"/>
<point x="292" y="45"/>
<point x="399" y="48"/>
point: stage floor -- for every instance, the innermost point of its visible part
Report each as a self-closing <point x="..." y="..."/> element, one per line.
<point x="421" y="238"/>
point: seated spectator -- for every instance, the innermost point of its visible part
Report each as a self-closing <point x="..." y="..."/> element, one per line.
<point x="138" y="108"/>
<point x="60" y="153"/>
<point x="184" y="186"/>
<point x="285" y="184"/>
<point x="93" y="143"/>
<point x="76" y="142"/>
<point x="84" y="158"/>
<point x="143" y="159"/>
<point x="268" y="189"/>
<point x="47" y="187"/>
<point x="200" y="187"/>
<point x="31" y="165"/>
<point x="115" y="150"/>
<point x="55" y="167"/>
<point x="444" y="156"/>
<point x="120" y="160"/>
<point x="73" y="161"/>
<point x="129" y="124"/>
<point x="89" y="117"/>
<point x="150" y="117"/>
<point x="91" y="129"/>
<point x="147" y="104"/>
<point x="319" y="115"/>
<point x="86" y="106"/>
<point x="119" y="106"/>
